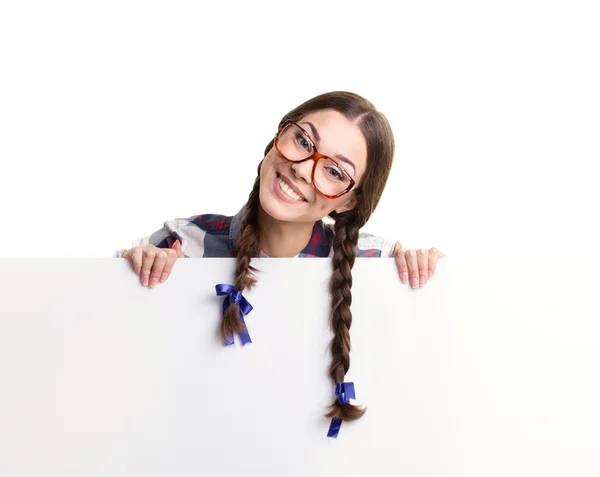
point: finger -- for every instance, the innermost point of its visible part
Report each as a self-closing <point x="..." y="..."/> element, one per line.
<point x="398" y="254"/>
<point x="136" y="259"/>
<point x="171" y="259"/>
<point x="159" y="264"/>
<point x="434" y="256"/>
<point x="423" y="262"/>
<point x="177" y="248"/>
<point x="413" y="268"/>
<point x="148" y="256"/>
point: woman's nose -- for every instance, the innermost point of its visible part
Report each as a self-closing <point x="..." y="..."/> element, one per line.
<point x="303" y="170"/>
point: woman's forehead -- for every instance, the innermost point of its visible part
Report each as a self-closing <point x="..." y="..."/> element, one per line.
<point x="329" y="119"/>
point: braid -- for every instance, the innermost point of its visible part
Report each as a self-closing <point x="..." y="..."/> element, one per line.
<point x="244" y="272"/>
<point x="344" y="247"/>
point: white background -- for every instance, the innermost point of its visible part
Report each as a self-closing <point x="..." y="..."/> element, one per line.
<point x="118" y="115"/>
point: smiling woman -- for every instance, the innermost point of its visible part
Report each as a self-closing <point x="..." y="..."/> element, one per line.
<point x="331" y="157"/>
<point x="320" y="181"/>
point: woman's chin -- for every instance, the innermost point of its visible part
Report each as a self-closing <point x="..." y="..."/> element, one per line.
<point x="274" y="208"/>
<point x="278" y="209"/>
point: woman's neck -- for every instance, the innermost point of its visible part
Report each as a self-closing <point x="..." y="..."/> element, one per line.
<point x="282" y="239"/>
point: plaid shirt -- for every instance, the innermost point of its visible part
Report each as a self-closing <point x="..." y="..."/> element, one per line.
<point x="211" y="235"/>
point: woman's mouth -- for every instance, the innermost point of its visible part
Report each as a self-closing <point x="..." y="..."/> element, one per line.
<point x="285" y="192"/>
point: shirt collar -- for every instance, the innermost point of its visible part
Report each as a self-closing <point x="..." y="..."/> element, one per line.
<point x="319" y="244"/>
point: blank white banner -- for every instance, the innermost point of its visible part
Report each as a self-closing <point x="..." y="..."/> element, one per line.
<point x="486" y="371"/>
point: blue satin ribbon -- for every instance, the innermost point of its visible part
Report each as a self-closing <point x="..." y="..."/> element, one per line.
<point x="234" y="296"/>
<point x="344" y="392"/>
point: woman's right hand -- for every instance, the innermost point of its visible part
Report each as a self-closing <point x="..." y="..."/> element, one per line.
<point x="152" y="264"/>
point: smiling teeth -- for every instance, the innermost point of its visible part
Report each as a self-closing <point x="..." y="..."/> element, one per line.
<point x="287" y="191"/>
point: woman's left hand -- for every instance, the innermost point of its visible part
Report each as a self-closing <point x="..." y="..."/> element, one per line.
<point x="416" y="265"/>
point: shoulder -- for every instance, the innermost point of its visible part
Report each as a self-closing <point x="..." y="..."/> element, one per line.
<point x="204" y="235"/>
<point x="214" y="224"/>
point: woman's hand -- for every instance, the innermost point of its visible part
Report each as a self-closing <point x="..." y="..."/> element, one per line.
<point x="418" y="265"/>
<point x="154" y="263"/>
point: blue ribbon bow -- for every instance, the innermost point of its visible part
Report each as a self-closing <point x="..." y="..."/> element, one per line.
<point x="344" y="392"/>
<point x="234" y="296"/>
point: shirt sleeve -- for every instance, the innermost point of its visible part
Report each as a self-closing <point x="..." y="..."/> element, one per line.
<point x="165" y="237"/>
<point x="373" y="246"/>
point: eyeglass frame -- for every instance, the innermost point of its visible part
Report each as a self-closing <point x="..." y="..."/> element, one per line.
<point x="316" y="157"/>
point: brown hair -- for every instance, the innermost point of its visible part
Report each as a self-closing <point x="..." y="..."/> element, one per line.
<point x="380" y="152"/>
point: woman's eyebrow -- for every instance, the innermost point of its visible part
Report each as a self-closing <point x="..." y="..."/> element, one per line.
<point x="347" y="161"/>
<point x="314" y="131"/>
<point x="337" y="156"/>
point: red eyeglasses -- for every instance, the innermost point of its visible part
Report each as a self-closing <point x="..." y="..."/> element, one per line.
<point x="328" y="177"/>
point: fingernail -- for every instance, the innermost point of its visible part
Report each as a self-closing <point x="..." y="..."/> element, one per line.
<point x="430" y="273"/>
<point x="404" y="277"/>
<point x="163" y="277"/>
<point x="422" y="281"/>
<point x="145" y="280"/>
<point x="153" y="282"/>
<point x="414" y="282"/>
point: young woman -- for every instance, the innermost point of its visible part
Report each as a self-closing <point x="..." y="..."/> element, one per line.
<point x="331" y="157"/>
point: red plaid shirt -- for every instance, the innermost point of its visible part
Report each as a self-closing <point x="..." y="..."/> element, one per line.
<point x="212" y="235"/>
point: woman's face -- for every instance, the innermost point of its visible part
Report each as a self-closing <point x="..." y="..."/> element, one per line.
<point x="333" y="135"/>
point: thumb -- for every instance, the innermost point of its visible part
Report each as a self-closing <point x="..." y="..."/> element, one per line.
<point x="177" y="248"/>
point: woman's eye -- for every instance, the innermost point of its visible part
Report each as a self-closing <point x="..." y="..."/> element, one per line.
<point x="335" y="173"/>
<point x="301" y="140"/>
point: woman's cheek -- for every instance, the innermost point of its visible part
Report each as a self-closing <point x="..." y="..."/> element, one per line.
<point x="325" y="207"/>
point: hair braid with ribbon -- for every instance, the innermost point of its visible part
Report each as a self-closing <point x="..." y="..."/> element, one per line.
<point x="344" y="245"/>
<point x="232" y="322"/>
